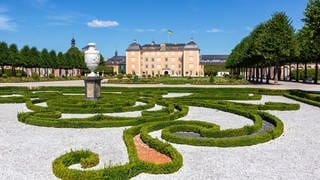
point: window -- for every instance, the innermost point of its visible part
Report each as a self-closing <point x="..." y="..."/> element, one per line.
<point x="172" y="72"/>
<point x="166" y="66"/>
<point x="180" y="59"/>
<point x="146" y="66"/>
<point x="166" y="59"/>
<point x="146" y="72"/>
<point x="179" y="65"/>
<point x="152" y="66"/>
<point x="190" y="73"/>
<point x="158" y="72"/>
<point x="152" y="59"/>
<point x="146" y="59"/>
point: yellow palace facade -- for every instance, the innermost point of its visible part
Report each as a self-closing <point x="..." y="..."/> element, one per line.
<point x="164" y="59"/>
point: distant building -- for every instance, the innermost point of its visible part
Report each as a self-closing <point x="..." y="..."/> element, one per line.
<point x="164" y="59"/>
<point x="213" y="59"/>
<point x="118" y="63"/>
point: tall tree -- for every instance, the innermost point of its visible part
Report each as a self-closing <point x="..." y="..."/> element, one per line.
<point x="13" y="58"/>
<point x="25" y="57"/>
<point x="52" y="60"/>
<point x="306" y="48"/>
<point x="312" y="20"/>
<point x="3" y="55"/>
<point x="36" y="59"/>
<point x="45" y="58"/>
<point x="278" y="41"/>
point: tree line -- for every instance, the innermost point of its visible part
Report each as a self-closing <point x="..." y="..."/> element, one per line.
<point x="275" y="43"/>
<point x="32" y="58"/>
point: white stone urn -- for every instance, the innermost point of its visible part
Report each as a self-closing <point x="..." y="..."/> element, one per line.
<point x="92" y="58"/>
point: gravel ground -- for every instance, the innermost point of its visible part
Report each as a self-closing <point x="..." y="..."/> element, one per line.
<point x="224" y="119"/>
<point x="294" y="155"/>
<point x="171" y="95"/>
<point x="28" y="151"/>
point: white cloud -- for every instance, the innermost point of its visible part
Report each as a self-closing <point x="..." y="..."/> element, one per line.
<point x="6" y="23"/>
<point x="214" y="30"/>
<point x="102" y="24"/>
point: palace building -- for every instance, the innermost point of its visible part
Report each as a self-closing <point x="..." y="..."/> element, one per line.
<point x="164" y="59"/>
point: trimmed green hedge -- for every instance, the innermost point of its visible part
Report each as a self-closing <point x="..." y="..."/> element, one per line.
<point x="305" y="97"/>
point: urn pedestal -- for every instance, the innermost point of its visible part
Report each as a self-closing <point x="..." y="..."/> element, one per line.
<point x="92" y="81"/>
<point x="92" y="88"/>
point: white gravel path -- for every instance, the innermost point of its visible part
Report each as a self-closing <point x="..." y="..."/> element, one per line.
<point x="295" y="155"/>
<point x="28" y="151"/>
<point x="43" y="104"/>
<point x="266" y="98"/>
<point x="11" y="95"/>
<point x="224" y="119"/>
<point x="171" y="95"/>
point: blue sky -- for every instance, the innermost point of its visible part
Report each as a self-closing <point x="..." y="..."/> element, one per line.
<point x="216" y="25"/>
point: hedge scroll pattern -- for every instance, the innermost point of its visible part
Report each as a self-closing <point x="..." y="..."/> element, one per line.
<point x="165" y="119"/>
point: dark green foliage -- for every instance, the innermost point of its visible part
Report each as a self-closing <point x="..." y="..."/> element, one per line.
<point x="212" y="70"/>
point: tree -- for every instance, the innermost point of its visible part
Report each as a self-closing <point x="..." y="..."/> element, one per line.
<point x="312" y="20"/>
<point x="13" y="58"/>
<point x="45" y="58"/>
<point x="3" y="55"/>
<point x="304" y="37"/>
<point x="278" y="41"/>
<point x="52" y="60"/>
<point x="26" y="60"/>
<point x="60" y="62"/>
<point x="35" y="59"/>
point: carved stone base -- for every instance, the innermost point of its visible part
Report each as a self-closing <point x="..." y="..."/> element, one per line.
<point x="92" y="88"/>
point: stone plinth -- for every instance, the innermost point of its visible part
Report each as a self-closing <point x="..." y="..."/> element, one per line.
<point x="92" y="88"/>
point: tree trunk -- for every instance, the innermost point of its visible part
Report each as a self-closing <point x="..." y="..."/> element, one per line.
<point x="257" y="74"/>
<point x="305" y="72"/>
<point x="316" y="73"/>
<point x="2" y="69"/>
<point x="297" y="73"/>
<point x="290" y="72"/>
<point x="261" y="75"/>
<point x="253" y="74"/>
<point x="268" y="75"/>
<point x="276" y="72"/>
<point x="284" y="73"/>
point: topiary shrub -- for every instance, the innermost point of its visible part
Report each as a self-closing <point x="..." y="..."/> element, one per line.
<point x="35" y="76"/>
